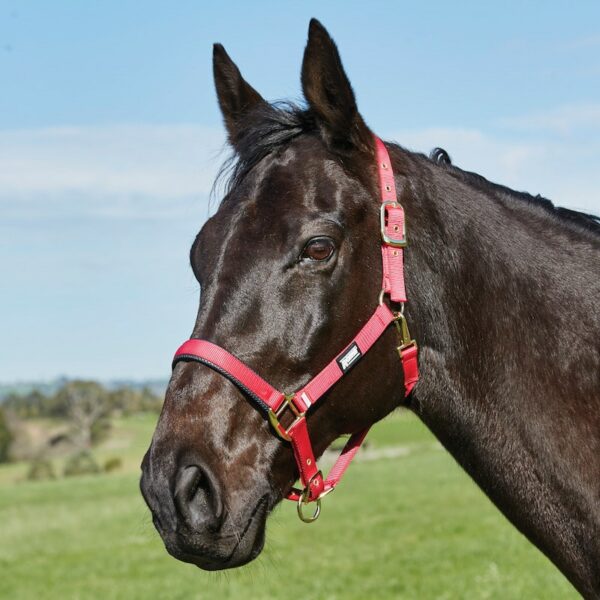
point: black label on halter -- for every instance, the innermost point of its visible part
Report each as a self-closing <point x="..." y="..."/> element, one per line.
<point x="349" y="358"/>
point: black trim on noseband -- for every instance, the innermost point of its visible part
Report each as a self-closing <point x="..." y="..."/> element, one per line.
<point x="227" y="375"/>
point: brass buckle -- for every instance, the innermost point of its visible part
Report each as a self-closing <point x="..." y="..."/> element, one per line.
<point x="275" y="415"/>
<point x="399" y="242"/>
<point x="403" y="332"/>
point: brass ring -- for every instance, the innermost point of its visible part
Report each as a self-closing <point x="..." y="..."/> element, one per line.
<point x="302" y="503"/>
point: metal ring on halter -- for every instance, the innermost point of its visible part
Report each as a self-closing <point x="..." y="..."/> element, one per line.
<point x="381" y="296"/>
<point x="302" y="501"/>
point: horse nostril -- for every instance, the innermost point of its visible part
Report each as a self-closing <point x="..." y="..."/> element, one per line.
<point x="198" y="499"/>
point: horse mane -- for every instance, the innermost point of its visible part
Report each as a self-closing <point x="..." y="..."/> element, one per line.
<point x="587" y="221"/>
<point x="440" y="156"/>
<point x="268" y="128"/>
<point x="272" y="126"/>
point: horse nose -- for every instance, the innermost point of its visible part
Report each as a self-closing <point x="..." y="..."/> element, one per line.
<point x="198" y="499"/>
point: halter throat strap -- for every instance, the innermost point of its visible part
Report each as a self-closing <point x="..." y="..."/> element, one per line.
<point x="274" y="403"/>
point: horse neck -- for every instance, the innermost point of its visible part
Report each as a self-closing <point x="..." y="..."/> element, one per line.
<point x="503" y="299"/>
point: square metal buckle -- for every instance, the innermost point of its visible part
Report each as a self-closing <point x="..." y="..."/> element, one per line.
<point x="275" y="416"/>
<point x="395" y="242"/>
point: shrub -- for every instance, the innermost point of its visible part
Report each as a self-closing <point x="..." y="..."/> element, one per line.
<point x="40" y="469"/>
<point x="112" y="464"/>
<point x="82" y="463"/>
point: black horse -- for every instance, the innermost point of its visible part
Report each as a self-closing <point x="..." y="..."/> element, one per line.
<point x="504" y="293"/>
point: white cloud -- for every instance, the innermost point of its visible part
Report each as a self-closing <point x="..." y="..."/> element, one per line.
<point x="158" y="171"/>
<point x="563" y="120"/>
<point x="474" y="150"/>
<point x="563" y="170"/>
<point x="584" y="42"/>
<point x="106" y="167"/>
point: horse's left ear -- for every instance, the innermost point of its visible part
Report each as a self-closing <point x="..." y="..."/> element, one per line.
<point x="329" y="93"/>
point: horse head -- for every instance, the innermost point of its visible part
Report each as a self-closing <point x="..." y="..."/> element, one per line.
<point x="289" y="269"/>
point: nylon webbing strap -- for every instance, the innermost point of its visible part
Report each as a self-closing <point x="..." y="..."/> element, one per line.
<point x="227" y="364"/>
<point x="394" y="227"/>
<point x="335" y="370"/>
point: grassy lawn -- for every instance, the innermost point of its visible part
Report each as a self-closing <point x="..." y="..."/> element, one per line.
<point x="412" y="527"/>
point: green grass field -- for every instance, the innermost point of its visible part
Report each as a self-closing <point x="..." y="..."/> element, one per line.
<point x="411" y="526"/>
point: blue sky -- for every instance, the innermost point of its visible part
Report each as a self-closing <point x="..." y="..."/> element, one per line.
<point x="110" y="138"/>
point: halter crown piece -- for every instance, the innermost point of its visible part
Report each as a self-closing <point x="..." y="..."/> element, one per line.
<point x="275" y="403"/>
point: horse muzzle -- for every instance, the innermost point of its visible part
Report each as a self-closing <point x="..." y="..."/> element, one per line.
<point x="194" y="520"/>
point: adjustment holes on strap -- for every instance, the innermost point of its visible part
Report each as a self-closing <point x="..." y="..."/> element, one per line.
<point x="388" y="188"/>
<point x="384" y="165"/>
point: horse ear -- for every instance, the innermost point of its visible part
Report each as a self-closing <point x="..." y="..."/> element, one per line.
<point x="236" y="96"/>
<point x="329" y="94"/>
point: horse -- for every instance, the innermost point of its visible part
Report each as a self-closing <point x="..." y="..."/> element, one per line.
<point x="503" y="291"/>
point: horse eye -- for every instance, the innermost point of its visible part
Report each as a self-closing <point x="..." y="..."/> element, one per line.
<point x="318" y="249"/>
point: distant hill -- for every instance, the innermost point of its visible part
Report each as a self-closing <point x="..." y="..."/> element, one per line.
<point x="158" y="386"/>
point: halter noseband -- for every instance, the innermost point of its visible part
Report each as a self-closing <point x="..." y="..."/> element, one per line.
<point x="275" y="403"/>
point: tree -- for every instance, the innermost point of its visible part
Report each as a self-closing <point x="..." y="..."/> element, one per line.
<point x="5" y="438"/>
<point x="88" y="409"/>
<point x="29" y="405"/>
<point x="130" y="401"/>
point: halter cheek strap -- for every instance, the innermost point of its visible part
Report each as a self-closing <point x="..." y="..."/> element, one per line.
<point x="275" y="403"/>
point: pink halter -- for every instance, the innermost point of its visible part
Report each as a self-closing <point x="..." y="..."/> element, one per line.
<point x="275" y="403"/>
